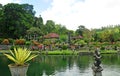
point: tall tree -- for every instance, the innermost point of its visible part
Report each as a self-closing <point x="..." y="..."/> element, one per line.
<point x="38" y="22"/>
<point x="87" y="34"/>
<point x="17" y="19"/>
<point x="80" y="30"/>
<point x="1" y="20"/>
<point x="49" y="26"/>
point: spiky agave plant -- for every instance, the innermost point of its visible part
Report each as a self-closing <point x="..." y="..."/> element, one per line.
<point x="20" y="56"/>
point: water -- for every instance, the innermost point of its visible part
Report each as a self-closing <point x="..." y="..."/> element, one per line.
<point x="66" y="66"/>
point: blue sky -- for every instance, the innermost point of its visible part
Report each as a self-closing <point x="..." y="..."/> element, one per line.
<point x="72" y="13"/>
<point x="39" y="5"/>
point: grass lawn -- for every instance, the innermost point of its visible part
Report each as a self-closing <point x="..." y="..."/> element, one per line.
<point x="55" y="52"/>
<point x="109" y="52"/>
<point x="58" y="52"/>
<point x="66" y="52"/>
<point x="70" y="52"/>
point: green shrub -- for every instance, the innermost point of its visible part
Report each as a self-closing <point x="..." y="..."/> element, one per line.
<point x="102" y="48"/>
<point x="81" y="42"/>
<point x="5" y="41"/>
<point x="35" y="43"/>
<point x="12" y="47"/>
<point x="27" y="42"/>
<point x="20" y="41"/>
<point x="1" y="40"/>
<point x="64" y="47"/>
<point x="11" y="40"/>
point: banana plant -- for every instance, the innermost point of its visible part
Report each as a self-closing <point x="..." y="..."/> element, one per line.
<point x="20" y="56"/>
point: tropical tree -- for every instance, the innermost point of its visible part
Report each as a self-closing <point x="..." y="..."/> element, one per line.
<point x="87" y="35"/>
<point x="49" y="26"/>
<point x="17" y="19"/>
<point x="80" y="30"/>
<point x="1" y="20"/>
<point x="34" y="32"/>
<point x="38" y="22"/>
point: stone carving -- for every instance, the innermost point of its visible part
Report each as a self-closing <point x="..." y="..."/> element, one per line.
<point x="97" y="61"/>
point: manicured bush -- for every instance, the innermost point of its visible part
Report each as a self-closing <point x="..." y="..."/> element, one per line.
<point x="35" y="43"/>
<point x="20" y="41"/>
<point x="12" y="47"/>
<point x="11" y="41"/>
<point x="64" y="47"/>
<point x="27" y="42"/>
<point x="47" y="42"/>
<point x="58" y="52"/>
<point x="102" y="48"/>
<point x="1" y="40"/>
<point x="5" y="42"/>
<point x="81" y="42"/>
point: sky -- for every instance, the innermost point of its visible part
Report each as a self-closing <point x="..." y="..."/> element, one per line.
<point x="73" y="13"/>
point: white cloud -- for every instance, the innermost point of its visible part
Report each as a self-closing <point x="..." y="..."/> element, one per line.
<point x="90" y="13"/>
<point x="5" y="1"/>
<point x="9" y="1"/>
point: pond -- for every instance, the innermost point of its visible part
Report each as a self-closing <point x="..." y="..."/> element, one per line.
<point x="65" y="66"/>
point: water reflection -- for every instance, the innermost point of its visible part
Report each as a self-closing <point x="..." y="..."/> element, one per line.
<point x="59" y="65"/>
<point x="111" y="65"/>
<point x="4" y="70"/>
<point x="66" y="66"/>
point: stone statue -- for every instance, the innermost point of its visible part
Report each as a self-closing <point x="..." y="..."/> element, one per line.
<point x="97" y="61"/>
<point x="97" y="58"/>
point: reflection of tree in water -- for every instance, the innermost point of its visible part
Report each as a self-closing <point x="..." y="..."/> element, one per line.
<point x="49" y="69"/>
<point x="71" y="60"/>
<point x="111" y="59"/>
<point x="65" y="62"/>
<point x="60" y="63"/>
<point x="47" y="64"/>
<point x="35" y="69"/>
<point x="50" y="64"/>
<point x="4" y="70"/>
<point x="83" y="62"/>
<point x="40" y="65"/>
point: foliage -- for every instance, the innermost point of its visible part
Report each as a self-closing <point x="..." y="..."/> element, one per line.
<point x="11" y="41"/>
<point x="47" y="42"/>
<point x="27" y="42"/>
<point x="108" y="52"/>
<point x="64" y="47"/>
<point x="80" y="30"/>
<point x="34" y="30"/>
<point x="17" y="18"/>
<point x="63" y="52"/>
<point x="102" y="48"/>
<point x="1" y="39"/>
<point x="19" y="41"/>
<point x="35" y="43"/>
<point x="81" y="42"/>
<point x="63" y="38"/>
<point x="109" y="34"/>
<point x="38" y="22"/>
<point x="50" y="25"/>
<point x="12" y="47"/>
<point x="20" y="56"/>
<point x="5" y="41"/>
<point x="87" y="35"/>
